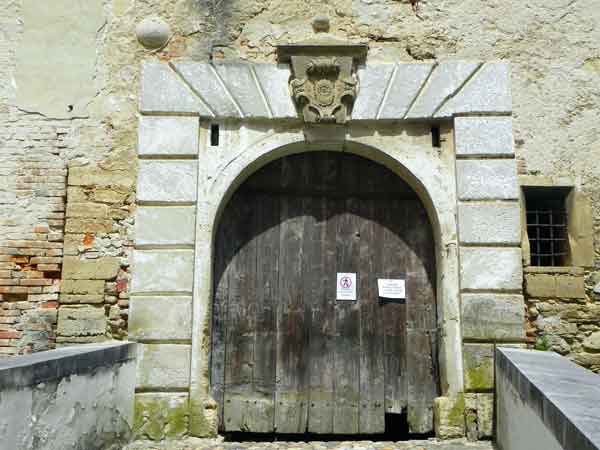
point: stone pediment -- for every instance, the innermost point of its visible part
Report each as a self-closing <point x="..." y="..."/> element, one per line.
<point x="392" y="91"/>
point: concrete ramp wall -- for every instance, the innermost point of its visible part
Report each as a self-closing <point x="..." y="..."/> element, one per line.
<point x="78" y="398"/>
<point x="544" y="401"/>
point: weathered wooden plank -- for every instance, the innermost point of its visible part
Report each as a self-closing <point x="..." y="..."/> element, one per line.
<point x="347" y="313"/>
<point x="421" y="322"/>
<point x="291" y="395"/>
<point x="241" y="318"/>
<point x="320" y="291"/>
<point x="372" y="382"/>
<point x="261" y="407"/>
<point x="223" y="253"/>
<point x="394" y="312"/>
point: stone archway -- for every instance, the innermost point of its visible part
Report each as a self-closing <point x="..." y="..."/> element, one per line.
<point x="184" y="183"/>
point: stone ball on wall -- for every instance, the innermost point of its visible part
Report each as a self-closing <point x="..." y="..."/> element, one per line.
<point x="153" y="32"/>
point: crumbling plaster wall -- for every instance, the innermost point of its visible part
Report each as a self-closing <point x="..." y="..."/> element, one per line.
<point x="88" y="157"/>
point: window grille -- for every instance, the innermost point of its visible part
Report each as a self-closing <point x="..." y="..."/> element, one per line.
<point x="547" y="226"/>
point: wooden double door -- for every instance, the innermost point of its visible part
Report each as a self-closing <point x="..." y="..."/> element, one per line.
<point x="287" y="357"/>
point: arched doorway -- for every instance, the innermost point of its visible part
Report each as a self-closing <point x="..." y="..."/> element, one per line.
<point x="287" y="356"/>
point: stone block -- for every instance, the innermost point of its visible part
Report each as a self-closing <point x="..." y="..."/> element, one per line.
<point x="489" y="223"/>
<point x="165" y="225"/>
<point x="86" y="209"/>
<point x="81" y="321"/>
<point x="203" y="78"/>
<point x="487" y="92"/>
<point x="406" y="85"/>
<point x="104" y="268"/>
<point x="163" y="366"/>
<point x="168" y="136"/>
<point x="164" y="317"/>
<point x="479" y="366"/>
<point x="167" y="181"/>
<point x="570" y="287"/>
<point x="82" y="287"/>
<point x="539" y="285"/>
<point x="162" y="271"/>
<point x="239" y="80"/>
<point x="81" y="299"/>
<point x="491" y="268"/>
<point x="161" y="415"/>
<point x="98" y="176"/>
<point x="445" y="80"/>
<point x="483" y="136"/>
<point x="481" y="406"/>
<point x="172" y="96"/>
<point x="274" y="82"/>
<point x="91" y="225"/>
<point x="487" y="179"/>
<point x="493" y="317"/>
<point x="449" y="417"/>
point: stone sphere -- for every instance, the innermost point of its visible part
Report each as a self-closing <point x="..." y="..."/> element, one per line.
<point x="153" y="32"/>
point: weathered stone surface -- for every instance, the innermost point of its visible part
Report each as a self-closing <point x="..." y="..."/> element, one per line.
<point x="165" y="225"/>
<point x="449" y="417"/>
<point x="161" y="416"/>
<point x="374" y="79"/>
<point x="205" y="81"/>
<point x="489" y="223"/>
<point x="570" y="287"/>
<point x="81" y="299"/>
<point x="482" y="405"/>
<point x="156" y="318"/>
<point x="405" y="87"/>
<point x="81" y="321"/>
<point x="100" y="176"/>
<point x="446" y="79"/>
<point x="240" y="83"/>
<point x="163" y="366"/>
<point x="493" y="317"/>
<point x="167" y="181"/>
<point x="592" y="342"/>
<point x="59" y="38"/>
<point x="163" y="271"/>
<point x="491" y="268"/>
<point x="173" y="95"/>
<point x="483" y="136"/>
<point x="487" y="179"/>
<point x="274" y="82"/>
<point x="479" y="366"/>
<point x="91" y="269"/>
<point x="82" y="286"/>
<point x="87" y="209"/>
<point x="487" y="92"/>
<point x="539" y="285"/>
<point x="168" y="136"/>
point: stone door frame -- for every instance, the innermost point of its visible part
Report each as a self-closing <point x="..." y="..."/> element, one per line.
<point x="469" y="187"/>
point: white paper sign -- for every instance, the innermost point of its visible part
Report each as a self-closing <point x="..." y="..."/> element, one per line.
<point x="346" y="286"/>
<point x="391" y="288"/>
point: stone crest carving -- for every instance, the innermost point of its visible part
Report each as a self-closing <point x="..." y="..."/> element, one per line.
<point x="322" y="95"/>
<point x="324" y="84"/>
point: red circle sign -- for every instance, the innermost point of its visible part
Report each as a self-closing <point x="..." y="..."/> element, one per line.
<point x="346" y="282"/>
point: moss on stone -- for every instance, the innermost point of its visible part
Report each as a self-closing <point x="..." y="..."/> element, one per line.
<point x="160" y="416"/>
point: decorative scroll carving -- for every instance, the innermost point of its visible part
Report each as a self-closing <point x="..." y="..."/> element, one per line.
<point x="322" y="96"/>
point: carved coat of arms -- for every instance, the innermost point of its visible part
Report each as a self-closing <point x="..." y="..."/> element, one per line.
<point x="322" y="95"/>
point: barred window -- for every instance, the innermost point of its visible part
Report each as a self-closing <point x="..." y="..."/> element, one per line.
<point x="547" y="225"/>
